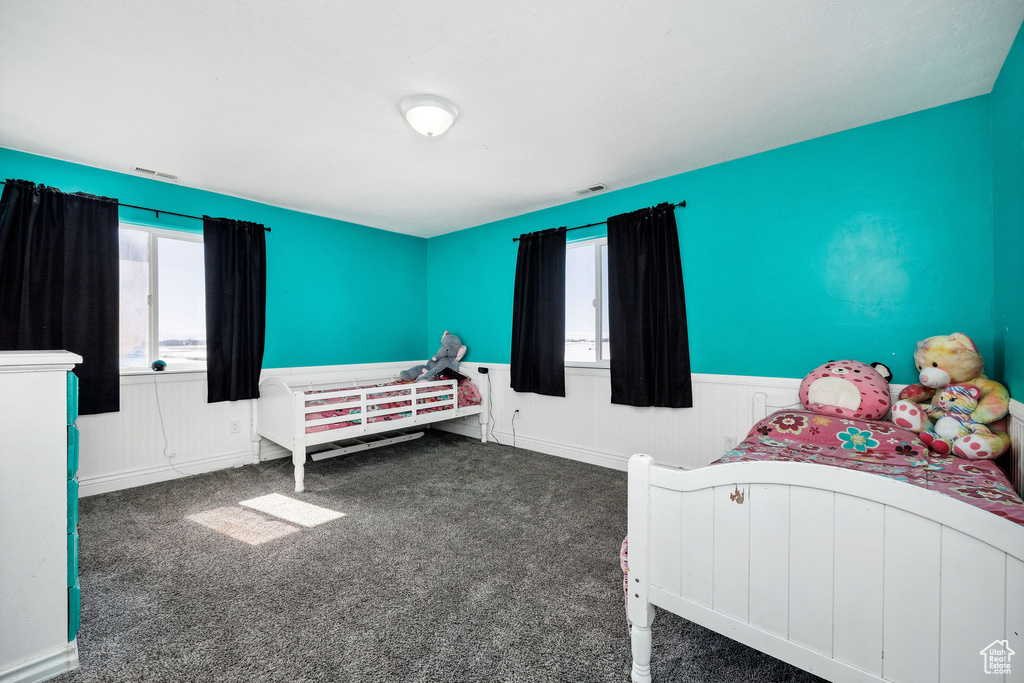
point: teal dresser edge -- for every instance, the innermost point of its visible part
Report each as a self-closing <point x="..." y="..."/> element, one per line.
<point x="74" y="588"/>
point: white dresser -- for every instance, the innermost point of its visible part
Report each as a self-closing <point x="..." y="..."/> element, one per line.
<point x="39" y="591"/>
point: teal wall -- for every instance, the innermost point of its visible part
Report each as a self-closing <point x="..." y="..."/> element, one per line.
<point x="1008" y="218"/>
<point x="325" y="304"/>
<point x="853" y="245"/>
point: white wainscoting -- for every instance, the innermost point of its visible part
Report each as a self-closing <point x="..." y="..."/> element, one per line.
<point x="1016" y="432"/>
<point x="125" y="449"/>
<point x="586" y="426"/>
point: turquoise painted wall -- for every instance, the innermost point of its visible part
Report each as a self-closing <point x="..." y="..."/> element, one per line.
<point x="325" y="305"/>
<point x="1008" y="218"/>
<point x="853" y="245"/>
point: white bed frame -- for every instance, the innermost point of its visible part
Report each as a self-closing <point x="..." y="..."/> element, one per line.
<point x="848" y="575"/>
<point x="281" y="415"/>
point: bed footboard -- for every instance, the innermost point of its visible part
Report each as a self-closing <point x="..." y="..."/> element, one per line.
<point x="849" y="575"/>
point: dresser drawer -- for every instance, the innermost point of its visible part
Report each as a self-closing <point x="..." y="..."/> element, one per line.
<point x="74" y="610"/>
<point x="72" y="505"/>
<point x="72" y="398"/>
<point x="72" y="451"/>
<point x="73" y="558"/>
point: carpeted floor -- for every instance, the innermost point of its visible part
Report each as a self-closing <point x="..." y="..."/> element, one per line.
<point x="455" y="561"/>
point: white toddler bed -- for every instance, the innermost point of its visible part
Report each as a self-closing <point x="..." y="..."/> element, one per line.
<point x="849" y="575"/>
<point x="355" y="418"/>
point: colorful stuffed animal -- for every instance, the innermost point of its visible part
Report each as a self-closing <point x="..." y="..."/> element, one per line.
<point x="952" y="416"/>
<point x="448" y="356"/>
<point x="847" y="388"/>
<point x="954" y="359"/>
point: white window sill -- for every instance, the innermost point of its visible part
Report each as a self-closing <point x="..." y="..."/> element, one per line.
<point x="579" y="368"/>
<point x="141" y="376"/>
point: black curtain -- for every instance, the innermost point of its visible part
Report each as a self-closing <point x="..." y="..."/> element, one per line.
<point x="650" y="363"/>
<point x="538" y="314"/>
<point x="235" y="257"/>
<point x="59" y="283"/>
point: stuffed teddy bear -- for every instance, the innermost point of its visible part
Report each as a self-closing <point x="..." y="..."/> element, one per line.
<point x="952" y="416"/>
<point x="847" y="388"/>
<point x="954" y="359"/>
<point x="447" y="357"/>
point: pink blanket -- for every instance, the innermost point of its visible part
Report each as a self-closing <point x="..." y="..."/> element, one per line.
<point x="880" y="448"/>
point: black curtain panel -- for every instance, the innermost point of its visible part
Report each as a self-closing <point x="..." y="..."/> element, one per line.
<point x="538" y="314"/>
<point x="92" y="299"/>
<point x="650" y="363"/>
<point x="59" y="283"/>
<point x="31" y="266"/>
<point x="235" y="257"/>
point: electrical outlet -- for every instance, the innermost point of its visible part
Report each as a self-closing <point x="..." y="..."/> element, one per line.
<point x="235" y="426"/>
<point x="517" y="416"/>
<point x="730" y="443"/>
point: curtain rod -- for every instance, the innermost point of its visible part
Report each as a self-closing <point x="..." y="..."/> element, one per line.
<point x="156" y="211"/>
<point x="590" y="225"/>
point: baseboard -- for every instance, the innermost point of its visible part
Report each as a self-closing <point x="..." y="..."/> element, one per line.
<point x="44" y="666"/>
<point x="592" y="457"/>
<point x="90" y="486"/>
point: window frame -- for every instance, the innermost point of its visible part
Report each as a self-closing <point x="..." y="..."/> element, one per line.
<point x="153" y="295"/>
<point x="598" y="303"/>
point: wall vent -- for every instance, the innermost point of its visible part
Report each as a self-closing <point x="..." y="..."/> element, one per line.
<point x="591" y="189"/>
<point x="170" y="177"/>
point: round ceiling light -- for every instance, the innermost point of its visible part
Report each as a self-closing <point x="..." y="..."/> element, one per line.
<point x="428" y="114"/>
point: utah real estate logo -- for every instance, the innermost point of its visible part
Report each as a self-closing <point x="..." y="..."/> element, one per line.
<point x="997" y="657"/>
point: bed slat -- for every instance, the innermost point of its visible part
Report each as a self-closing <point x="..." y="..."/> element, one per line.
<point x="810" y="568"/>
<point x="696" y="538"/>
<point x="911" y="631"/>
<point x="973" y="606"/>
<point x="356" y="418"/>
<point x="859" y="551"/>
<point x="769" y="559"/>
<point x="665" y="534"/>
<point x="732" y="551"/>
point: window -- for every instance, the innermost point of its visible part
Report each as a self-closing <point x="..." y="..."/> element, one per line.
<point x="163" y="298"/>
<point x="586" y="303"/>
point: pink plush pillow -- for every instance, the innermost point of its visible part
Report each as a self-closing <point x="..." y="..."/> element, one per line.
<point x="846" y="388"/>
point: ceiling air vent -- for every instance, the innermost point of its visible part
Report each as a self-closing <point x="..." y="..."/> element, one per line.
<point x="591" y="189"/>
<point x="160" y="175"/>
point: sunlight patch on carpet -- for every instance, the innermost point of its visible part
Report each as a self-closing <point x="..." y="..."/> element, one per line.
<point x="243" y="525"/>
<point x="295" y="511"/>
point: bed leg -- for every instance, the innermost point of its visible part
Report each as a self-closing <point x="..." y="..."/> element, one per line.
<point x="641" y="641"/>
<point x="638" y="606"/>
<point x="299" y="461"/>
<point x="483" y="431"/>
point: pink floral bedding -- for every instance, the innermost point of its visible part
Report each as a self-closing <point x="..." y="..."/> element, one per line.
<point x="468" y="395"/>
<point x="880" y="448"/>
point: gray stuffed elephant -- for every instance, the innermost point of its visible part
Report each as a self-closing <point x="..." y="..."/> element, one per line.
<point x="447" y="357"/>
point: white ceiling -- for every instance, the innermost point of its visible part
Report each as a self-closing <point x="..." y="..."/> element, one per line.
<point x="296" y="103"/>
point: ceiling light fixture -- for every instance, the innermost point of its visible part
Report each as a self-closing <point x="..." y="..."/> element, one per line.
<point x="428" y="114"/>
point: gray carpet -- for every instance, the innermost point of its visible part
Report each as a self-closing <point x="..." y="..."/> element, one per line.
<point x="456" y="561"/>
